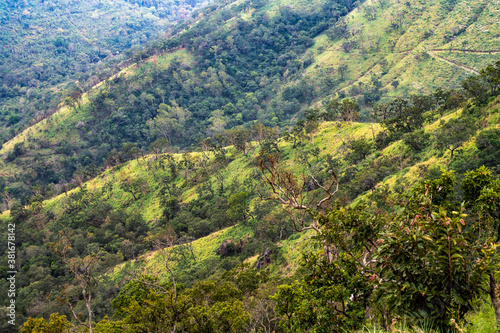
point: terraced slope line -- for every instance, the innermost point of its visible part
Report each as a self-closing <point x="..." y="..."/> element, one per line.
<point x="392" y="41"/>
<point x="466" y="51"/>
<point x="466" y="68"/>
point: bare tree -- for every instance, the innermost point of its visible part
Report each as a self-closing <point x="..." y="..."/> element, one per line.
<point x="83" y="269"/>
<point x="264" y="316"/>
<point x="288" y="188"/>
<point x="164" y="243"/>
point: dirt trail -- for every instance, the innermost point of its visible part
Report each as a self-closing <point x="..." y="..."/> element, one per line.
<point x="466" y="51"/>
<point x="467" y="68"/>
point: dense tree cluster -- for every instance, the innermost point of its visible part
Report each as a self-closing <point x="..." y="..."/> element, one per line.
<point x="423" y="248"/>
<point x="43" y="47"/>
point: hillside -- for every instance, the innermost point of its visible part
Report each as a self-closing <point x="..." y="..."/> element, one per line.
<point x="250" y="166"/>
<point x="393" y="48"/>
<point x="210" y="198"/>
<point x="50" y="50"/>
<point x="210" y="77"/>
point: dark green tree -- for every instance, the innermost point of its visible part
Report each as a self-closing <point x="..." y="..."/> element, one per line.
<point x="453" y="134"/>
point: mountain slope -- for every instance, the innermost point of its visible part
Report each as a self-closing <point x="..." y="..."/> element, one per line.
<point x="49" y="50"/>
<point x="210" y="198"/>
<point x="384" y="42"/>
<point x="235" y="64"/>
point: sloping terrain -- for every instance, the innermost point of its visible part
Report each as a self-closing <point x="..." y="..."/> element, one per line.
<point x="51" y="49"/>
<point x="210" y="199"/>
<point x="155" y="181"/>
<point x="411" y="47"/>
<point x="221" y="79"/>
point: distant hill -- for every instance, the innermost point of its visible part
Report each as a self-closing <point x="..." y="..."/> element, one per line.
<point x="235" y="63"/>
<point x="398" y="48"/>
<point x="50" y="47"/>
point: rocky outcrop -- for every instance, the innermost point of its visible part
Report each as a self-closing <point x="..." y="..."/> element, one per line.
<point x="265" y="259"/>
<point x="222" y="250"/>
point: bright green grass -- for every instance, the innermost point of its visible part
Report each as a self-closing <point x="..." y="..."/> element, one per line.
<point x="407" y="62"/>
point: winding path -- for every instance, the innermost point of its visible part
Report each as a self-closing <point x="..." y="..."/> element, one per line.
<point x="467" y="68"/>
<point x="466" y="51"/>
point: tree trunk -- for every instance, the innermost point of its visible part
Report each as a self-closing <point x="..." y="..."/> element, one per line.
<point x="330" y="252"/>
<point x="88" y="302"/>
<point x="493" y="295"/>
<point x="90" y="316"/>
<point x="173" y="281"/>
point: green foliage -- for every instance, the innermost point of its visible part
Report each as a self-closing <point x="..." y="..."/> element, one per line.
<point x="194" y="195"/>
<point x="453" y="134"/>
<point x="45" y="47"/>
<point x="360" y="149"/>
<point x="239" y="207"/>
<point x="417" y="140"/>
<point x="331" y="286"/>
<point x="209" y="306"/>
<point x="18" y="151"/>
<point x="288" y="301"/>
<point x="431" y="265"/>
<point x="56" y="324"/>
<point x="346" y="110"/>
<point x="488" y="144"/>
<point x="405" y="116"/>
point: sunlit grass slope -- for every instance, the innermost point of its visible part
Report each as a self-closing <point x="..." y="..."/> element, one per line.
<point x="417" y="43"/>
<point x="330" y="138"/>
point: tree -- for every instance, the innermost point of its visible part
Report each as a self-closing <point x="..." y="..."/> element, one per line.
<point x="340" y="289"/>
<point x="56" y="324"/>
<point x="239" y="207"/>
<point x="491" y="75"/>
<point x="417" y="140"/>
<point x="342" y="70"/>
<point x="84" y="271"/>
<point x="218" y="122"/>
<point x="346" y="110"/>
<point x="401" y="118"/>
<point x="488" y="143"/>
<point x="482" y="195"/>
<point x="239" y="137"/>
<point x="74" y="100"/>
<point x="164" y="243"/>
<point x="475" y="87"/>
<point x="130" y="151"/>
<point x="288" y="300"/>
<point x="296" y="133"/>
<point x="169" y="121"/>
<point x="229" y="316"/>
<point x="288" y="188"/>
<point x="159" y="146"/>
<point x="433" y="259"/>
<point x="360" y="149"/>
<point x="134" y="186"/>
<point x="332" y="110"/>
<point x="380" y="111"/>
<point x="349" y="110"/>
<point x="453" y="134"/>
<point x="311" y="122"/>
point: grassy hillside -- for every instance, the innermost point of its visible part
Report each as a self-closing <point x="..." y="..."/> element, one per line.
<point x="423" y="45"/>
<point x="220" y="79"/>
<point x="203" y="189"/>
<point x="50" y="50"/>
<point x="151" y="183"/>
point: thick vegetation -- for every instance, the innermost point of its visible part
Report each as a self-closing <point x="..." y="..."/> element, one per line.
<point x="261" y="166"/>
<point x="52" y="50"/>
<point x="399" y="238"/>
